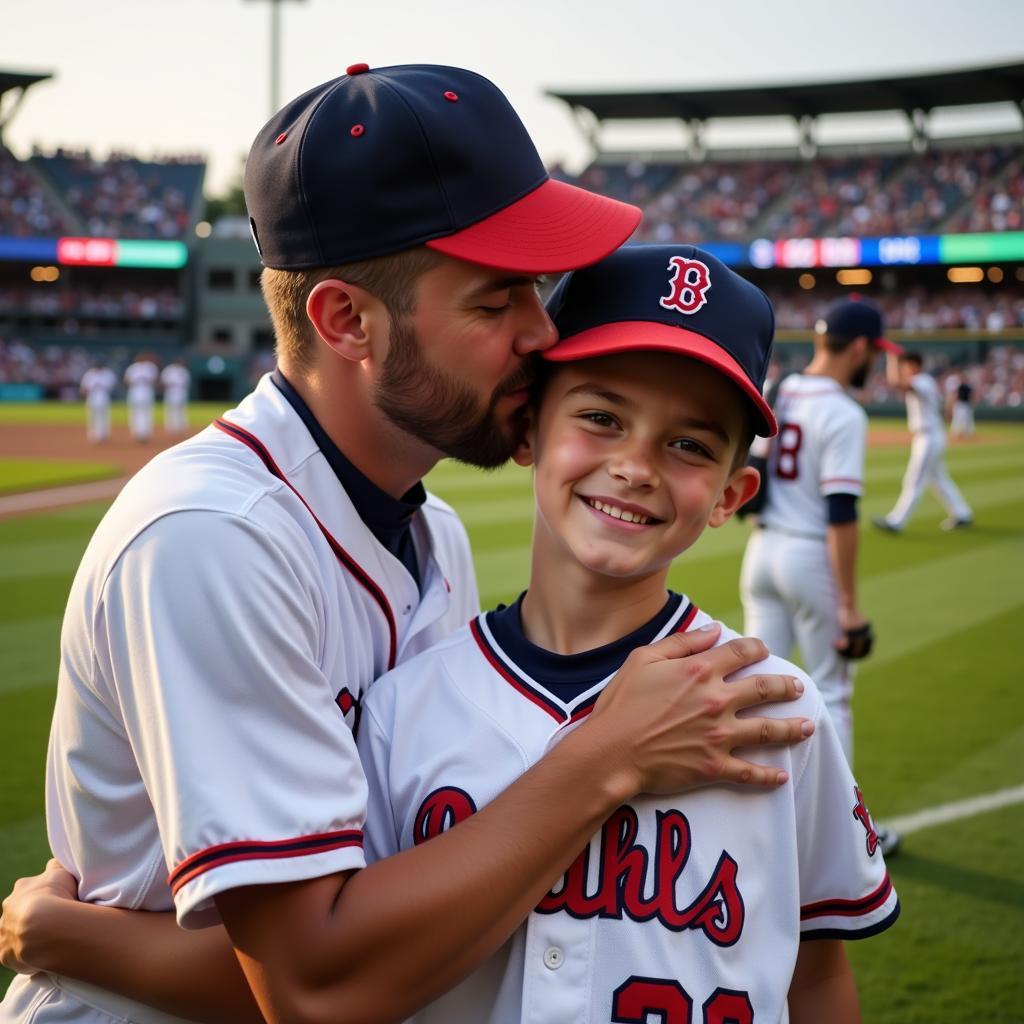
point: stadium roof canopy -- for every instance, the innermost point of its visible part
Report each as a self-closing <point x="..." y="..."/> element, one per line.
<point x="21" y="80"/>
<point x="910" y="93"/>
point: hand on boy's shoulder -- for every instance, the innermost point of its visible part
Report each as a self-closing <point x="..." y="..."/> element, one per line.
<point x="806" y="705"/>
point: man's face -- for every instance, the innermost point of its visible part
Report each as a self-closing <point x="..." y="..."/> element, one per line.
<point x="457" y="371"/>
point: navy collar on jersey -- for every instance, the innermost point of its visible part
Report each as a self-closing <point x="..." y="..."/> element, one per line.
<point x="566" y="676"/>
<point x="387" y="518"/>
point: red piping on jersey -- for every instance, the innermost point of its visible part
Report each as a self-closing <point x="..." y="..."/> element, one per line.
<point x="474" y="627"/>
<point x="360" y="574"/>
<point x="229" y="853"/>
<point x="849" y="908"/>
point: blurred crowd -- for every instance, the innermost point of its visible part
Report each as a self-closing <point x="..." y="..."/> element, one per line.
<point x="74" y="193"/>
<point x="944" y="190"/>
<point x="912" y="309"/>
<point x="67" y="303"/>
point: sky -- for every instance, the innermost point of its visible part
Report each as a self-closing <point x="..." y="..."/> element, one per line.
<point x="156" y="77"/>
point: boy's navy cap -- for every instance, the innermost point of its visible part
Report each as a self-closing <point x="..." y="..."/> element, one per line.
<point x="385" y="159"/>
<point x="856" y="318"/>
<point x="669" y="298"/>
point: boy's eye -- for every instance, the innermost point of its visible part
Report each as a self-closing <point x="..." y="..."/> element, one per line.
<point x="600" y="419"/>
<point x="687" y="444"/>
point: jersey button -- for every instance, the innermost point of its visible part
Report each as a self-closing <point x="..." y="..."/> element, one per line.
<point x="553" y="958"/>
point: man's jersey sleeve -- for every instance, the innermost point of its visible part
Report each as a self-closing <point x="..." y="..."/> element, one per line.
<point x="845" y="889"/>
<point x="381" y="838"/>
<point x="842" y="458"/>
<point x="210" y="630"/>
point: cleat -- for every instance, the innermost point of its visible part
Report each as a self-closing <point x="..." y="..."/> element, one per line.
<point x="953" y="523"/>
<point x="889" y="840"/>
<point x="881" y="523"/>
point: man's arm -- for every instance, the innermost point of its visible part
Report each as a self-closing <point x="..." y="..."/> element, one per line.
<point x="823" y="988"/>
<point x="843" y="541"/>
<point x="377" y="944"/>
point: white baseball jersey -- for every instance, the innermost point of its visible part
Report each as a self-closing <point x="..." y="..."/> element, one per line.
<point x="924" y="406"/>
<point x="141" y="378"/>
<point x="218" y="640"/>
<point x="683" y="902"/>
<point x="175" y="380"/>
<point x="97" y="384"/>
<point x="819" y="451"/>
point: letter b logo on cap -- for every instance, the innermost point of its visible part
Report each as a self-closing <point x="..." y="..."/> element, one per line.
<point x="689" y="285"/>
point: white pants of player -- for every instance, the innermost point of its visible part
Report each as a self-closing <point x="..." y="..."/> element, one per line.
<point x="789" y="599"/>
<point x="97" y="420"/>
<point x="175" y="417"/>
<point x="140" y="420"/>
<point x="927" y="467"/>
<point x="962" y="421"/>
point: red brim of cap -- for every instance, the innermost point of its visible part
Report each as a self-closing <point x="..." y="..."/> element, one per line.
<point x="888" y="346"/>
<point x="554" y="228"/>
<point x="643" y="335"/>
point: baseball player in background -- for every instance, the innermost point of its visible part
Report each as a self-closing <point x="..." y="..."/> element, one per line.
<point x="97" y="385"/>
<point x="685" y="901"/>
<point x="960" y="406"/>
<point x="927" y="465"/>
<point x="799" y="576"/>
<point x="249" y="585"/>
<point x="175" y="380"/>
<point x="140" y="379"/>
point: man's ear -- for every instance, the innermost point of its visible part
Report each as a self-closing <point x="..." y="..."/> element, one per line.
<point x="524" y="454"/>
<point x="741" y="486"/>
<point x="346" y="317"/>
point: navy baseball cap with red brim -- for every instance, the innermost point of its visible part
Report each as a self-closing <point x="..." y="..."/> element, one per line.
<point x="386" y="159"/>
<point x="669" y="298"/>
<point x="856" y="318"/>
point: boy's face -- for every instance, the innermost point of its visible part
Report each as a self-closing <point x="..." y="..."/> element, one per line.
<point x="634" y="457"/>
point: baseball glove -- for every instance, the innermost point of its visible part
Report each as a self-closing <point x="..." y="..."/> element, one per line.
<point x="859" y="642"/>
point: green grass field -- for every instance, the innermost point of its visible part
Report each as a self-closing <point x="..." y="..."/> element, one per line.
<point x="18" y="475"/>
<point x="939" y="707"/>
<point x="28" y="413"/>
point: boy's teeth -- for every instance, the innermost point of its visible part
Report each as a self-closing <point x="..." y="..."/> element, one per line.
<point x="619" y="513"/>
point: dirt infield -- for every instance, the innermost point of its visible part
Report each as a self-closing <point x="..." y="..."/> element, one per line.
<point x="69" y="442"/>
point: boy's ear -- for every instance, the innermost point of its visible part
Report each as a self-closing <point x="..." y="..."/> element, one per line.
<point x="524" y="453"/>
<point x="345" y="316"/>
<point x="741" y="486"/>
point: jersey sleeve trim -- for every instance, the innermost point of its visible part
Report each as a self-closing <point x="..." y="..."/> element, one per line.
<point x="228" y="853"/>
<point x="853" y="933"/>
<point x="849" y="908"/>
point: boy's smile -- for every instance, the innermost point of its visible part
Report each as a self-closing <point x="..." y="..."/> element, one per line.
<point x="634" y="457"/>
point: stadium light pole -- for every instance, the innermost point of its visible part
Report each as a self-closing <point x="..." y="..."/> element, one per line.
<point x="275" y="53"/>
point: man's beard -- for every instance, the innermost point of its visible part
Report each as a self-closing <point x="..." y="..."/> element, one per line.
<point x="437" y="409"/>
<point x="860" y="375"/>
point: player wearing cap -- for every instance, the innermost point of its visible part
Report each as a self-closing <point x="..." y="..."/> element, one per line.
<point x="175" y="380"/>
<point x="799" y="575"/>
<point x="685" y="907"/>
<point x="250" y="584"/>
<point x="927" y="464"/>
<point x="960" y="406"/>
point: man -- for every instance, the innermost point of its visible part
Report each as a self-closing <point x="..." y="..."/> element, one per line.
<point x="175" y="380"/>
<point x="97" y="385"/>
<point x="927" y="464"/>
<point x="799" y="575"/>
<point x="960" y="406"/>
<point x="250" y="584"/>
<point x="140" y="378"/>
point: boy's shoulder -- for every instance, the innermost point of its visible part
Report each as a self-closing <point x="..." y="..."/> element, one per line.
<point x="809" y="704"/>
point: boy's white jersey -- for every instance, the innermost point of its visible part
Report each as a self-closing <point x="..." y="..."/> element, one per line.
<point x="98" y="382"/>
<point x="681" y="906"/>
<point x="924" y="406"/>
<point x="217" y="644"/>
<point x="819" y="451"/>
<point x="140" y="379"/>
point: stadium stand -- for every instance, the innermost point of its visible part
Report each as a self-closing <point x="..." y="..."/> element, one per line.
<point x="27" y="207"/>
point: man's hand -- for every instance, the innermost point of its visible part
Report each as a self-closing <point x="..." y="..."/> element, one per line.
<point x="23" y="928"/>
<point x="672" y="717"/>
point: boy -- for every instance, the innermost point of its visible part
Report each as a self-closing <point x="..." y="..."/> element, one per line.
<point x="693" y="900"/>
